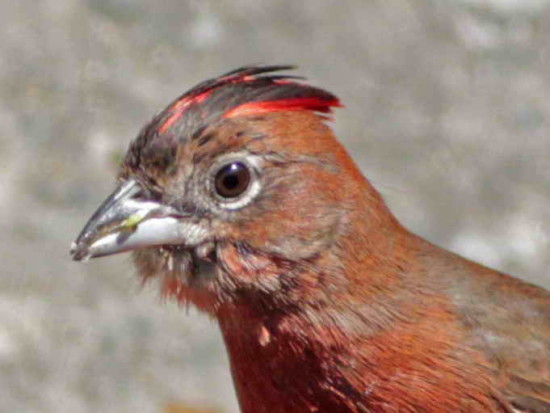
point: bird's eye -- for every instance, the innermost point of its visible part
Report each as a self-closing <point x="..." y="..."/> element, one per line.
<point x="232" y="180"/>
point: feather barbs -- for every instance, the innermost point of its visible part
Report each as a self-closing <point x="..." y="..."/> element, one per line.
<point x="295" y="104"/>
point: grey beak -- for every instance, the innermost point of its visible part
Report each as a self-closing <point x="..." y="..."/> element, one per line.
<point x="123" y="223"/>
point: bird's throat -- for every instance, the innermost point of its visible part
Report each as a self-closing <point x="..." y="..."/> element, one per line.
<point x="283" y="363"/>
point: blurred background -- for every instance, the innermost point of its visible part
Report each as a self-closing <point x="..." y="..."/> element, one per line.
<point x="447" y="112"/>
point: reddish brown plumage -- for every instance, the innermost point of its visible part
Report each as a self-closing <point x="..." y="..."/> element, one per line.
<point x="326" y="303"/>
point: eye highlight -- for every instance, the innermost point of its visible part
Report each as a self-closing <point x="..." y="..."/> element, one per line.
<point x="232" y="180"/>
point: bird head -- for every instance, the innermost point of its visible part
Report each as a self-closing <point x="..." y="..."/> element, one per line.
<point x="233" y="189"/>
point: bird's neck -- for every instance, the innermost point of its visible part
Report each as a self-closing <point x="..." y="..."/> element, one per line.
<point x="305" y="356"/>
<point x="337" y="348"/>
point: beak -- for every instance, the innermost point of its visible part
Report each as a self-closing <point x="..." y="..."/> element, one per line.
<point x="123" y="223"/>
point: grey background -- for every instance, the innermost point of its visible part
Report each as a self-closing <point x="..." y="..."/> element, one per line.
<point x="447" y="112"/>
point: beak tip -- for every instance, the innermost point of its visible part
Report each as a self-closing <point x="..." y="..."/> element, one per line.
<point x="79" y="254"/>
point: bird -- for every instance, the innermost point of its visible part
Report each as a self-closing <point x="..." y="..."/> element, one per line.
<point x="239" y="199"/>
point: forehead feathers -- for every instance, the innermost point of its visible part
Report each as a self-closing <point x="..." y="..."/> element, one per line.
<point x="246" y="91"/>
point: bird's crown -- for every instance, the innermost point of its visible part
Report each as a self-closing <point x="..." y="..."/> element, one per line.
<point x="251" y="90"/>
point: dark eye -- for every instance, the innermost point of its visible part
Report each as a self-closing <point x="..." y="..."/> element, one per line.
<point x="232" y="180"/>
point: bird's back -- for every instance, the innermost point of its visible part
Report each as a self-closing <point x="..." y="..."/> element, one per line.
<point x="505" y="319"/>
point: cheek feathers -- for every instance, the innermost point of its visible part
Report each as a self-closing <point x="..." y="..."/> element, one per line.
<point x="298" y="214"/>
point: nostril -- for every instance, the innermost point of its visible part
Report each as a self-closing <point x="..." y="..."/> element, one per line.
<point x="147" y="190"/>
<point x="148" y="195"/>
